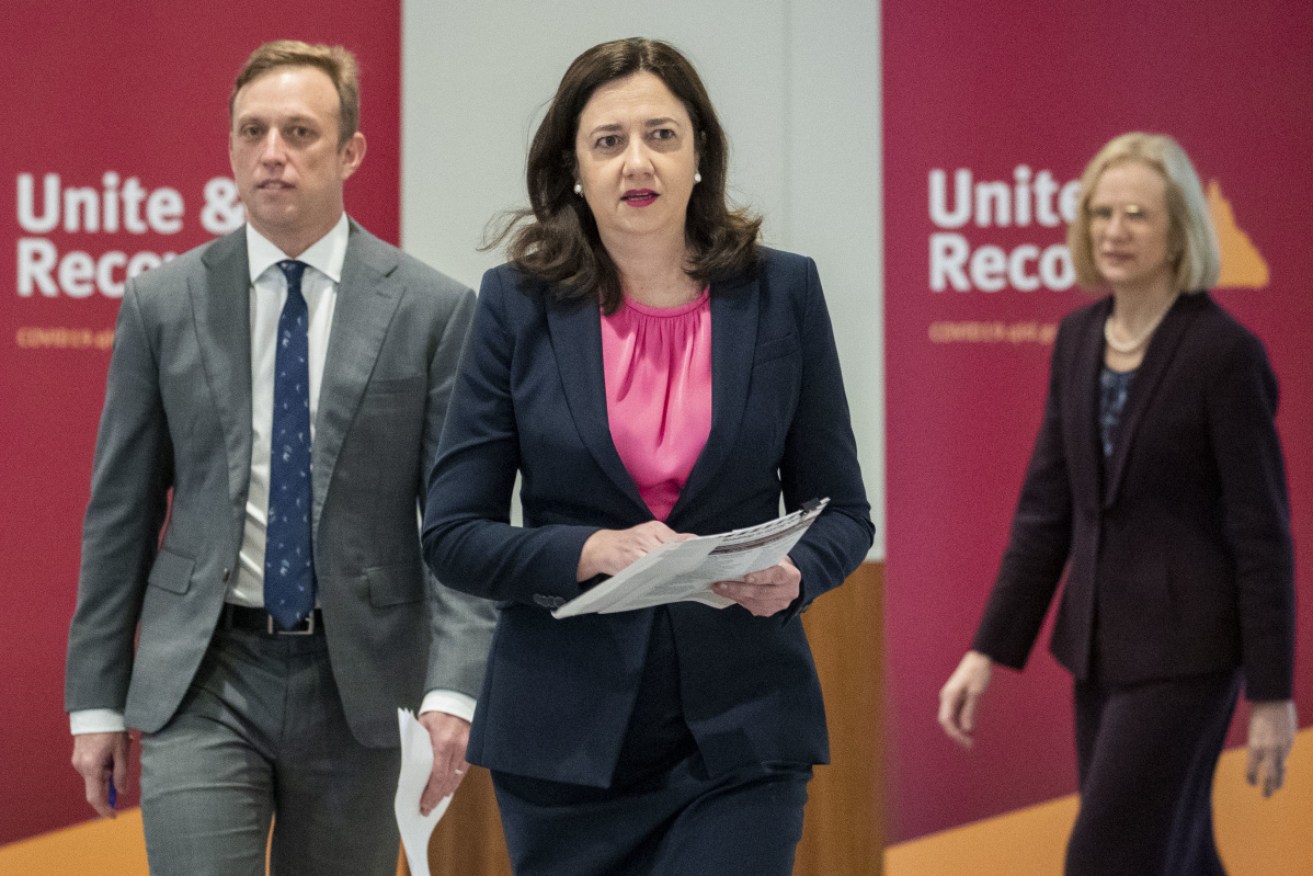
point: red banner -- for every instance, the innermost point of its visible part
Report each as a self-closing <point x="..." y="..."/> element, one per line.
<point x="990" y="113"/>
<point x="116" y="160"/>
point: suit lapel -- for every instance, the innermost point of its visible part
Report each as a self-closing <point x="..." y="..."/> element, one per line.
<point x="1085" y="364"/>
<point x="366" y="300"/>
<point x="1158" y="358"/>
<point x="577" y="342"/>
<point x="734" y="307"/>
<point x="221" y="303"/>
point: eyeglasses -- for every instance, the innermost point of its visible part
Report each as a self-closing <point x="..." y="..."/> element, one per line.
<point x="1130" y="213"/>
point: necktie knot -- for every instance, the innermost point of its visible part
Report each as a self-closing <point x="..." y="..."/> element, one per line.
<point x="292" y="270"/>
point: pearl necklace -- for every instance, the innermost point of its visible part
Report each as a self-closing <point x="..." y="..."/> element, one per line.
<point x="1126" y="348"/>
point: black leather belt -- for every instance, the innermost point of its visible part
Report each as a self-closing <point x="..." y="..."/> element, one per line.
<point x="257" y="620"/>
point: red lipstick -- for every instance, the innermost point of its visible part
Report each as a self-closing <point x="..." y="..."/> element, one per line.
<point x="639" y="197"/>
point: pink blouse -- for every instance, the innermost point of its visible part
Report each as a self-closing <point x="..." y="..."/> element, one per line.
<point x="657" y="362"/>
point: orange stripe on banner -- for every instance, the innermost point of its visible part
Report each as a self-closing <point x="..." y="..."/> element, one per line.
<point x="1028" y="842"/>
<point x="103" y="847"/>
<point x="1269" y="836"/>
<point x="1254" y="835"/>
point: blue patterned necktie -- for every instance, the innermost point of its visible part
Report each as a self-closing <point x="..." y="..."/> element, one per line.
<point x="289" y="572"/>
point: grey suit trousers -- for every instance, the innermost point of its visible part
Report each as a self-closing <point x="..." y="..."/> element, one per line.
<point x="262" y="730"/>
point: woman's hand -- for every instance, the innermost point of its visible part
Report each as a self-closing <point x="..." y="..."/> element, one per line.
<point x="959" y="699"/>
<point x="608" y="551"/>
<point x="766" y="591"/>
<point x="1271" y="734"/>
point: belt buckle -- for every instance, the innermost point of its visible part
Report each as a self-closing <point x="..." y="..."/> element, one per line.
<point x="307" y="627"/>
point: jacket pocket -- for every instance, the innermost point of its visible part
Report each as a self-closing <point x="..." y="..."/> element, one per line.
<point x="171" y="572"/>
<point x="395" y="585"/>
<point x="775" y="348"/>
<point x="395" y="385"/>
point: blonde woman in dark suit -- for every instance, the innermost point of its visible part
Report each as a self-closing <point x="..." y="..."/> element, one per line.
<point x="1158" y="482"/>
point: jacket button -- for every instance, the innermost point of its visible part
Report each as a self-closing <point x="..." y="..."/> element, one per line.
<point x="227" y="573"/>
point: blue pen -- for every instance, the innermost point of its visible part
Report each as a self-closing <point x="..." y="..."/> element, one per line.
<point x="113" y="794"/>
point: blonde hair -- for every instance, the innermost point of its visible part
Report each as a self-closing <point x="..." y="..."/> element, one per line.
<point x="338" y="63"/>
<point x="1191" y="238"/>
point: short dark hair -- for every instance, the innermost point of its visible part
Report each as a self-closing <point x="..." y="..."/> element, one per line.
<point x="560" y="243"/>
<point x="338" y="63"/>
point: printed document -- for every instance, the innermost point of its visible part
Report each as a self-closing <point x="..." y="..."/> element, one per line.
<point x="685" y="570"/>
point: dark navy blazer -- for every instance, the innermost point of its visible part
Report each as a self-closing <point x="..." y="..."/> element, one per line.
<point x="530" y="396"/>
<point x="1178" y="548"/>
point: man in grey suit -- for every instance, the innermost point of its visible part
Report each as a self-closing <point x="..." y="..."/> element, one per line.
<point x="298" y="363"/>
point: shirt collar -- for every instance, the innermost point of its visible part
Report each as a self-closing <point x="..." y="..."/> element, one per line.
<point x="326" y="255"/>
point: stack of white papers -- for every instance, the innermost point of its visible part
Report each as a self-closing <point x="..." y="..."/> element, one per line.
<point x="685" y="570"/>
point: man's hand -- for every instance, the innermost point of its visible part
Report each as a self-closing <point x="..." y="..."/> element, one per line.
<point x="101" y="758"/>
<point x="450" y="736"/>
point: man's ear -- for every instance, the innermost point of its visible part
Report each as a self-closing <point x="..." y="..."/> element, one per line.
<point x="351" y="154"/>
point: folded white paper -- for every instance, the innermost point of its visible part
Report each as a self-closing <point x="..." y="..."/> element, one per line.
<point x="416" y="764"/>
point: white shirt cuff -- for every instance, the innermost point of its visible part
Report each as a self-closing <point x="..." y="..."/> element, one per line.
<point x="96" y="721"/>
<point x="110" y="721"/>
<point x="453" y="702"/>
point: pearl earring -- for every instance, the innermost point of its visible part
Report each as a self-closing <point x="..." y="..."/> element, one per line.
<point x="579" y="189"/>
<point x="697" y="177"/>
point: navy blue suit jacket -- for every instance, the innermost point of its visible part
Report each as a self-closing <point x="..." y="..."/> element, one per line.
<point x="530" y="396"/>
<point x="1178" y="547"/>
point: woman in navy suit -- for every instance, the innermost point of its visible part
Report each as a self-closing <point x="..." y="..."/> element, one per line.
<point x="1158" y="482"/>
<point x="652" y="373"/>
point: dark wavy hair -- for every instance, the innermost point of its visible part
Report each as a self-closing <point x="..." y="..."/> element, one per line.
<point x="555" y="237"/>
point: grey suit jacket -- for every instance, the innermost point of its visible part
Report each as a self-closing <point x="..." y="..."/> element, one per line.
<point x="177" y="417"/>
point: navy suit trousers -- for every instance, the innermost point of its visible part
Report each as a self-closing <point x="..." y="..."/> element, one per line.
<point x="664" y="813"/>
